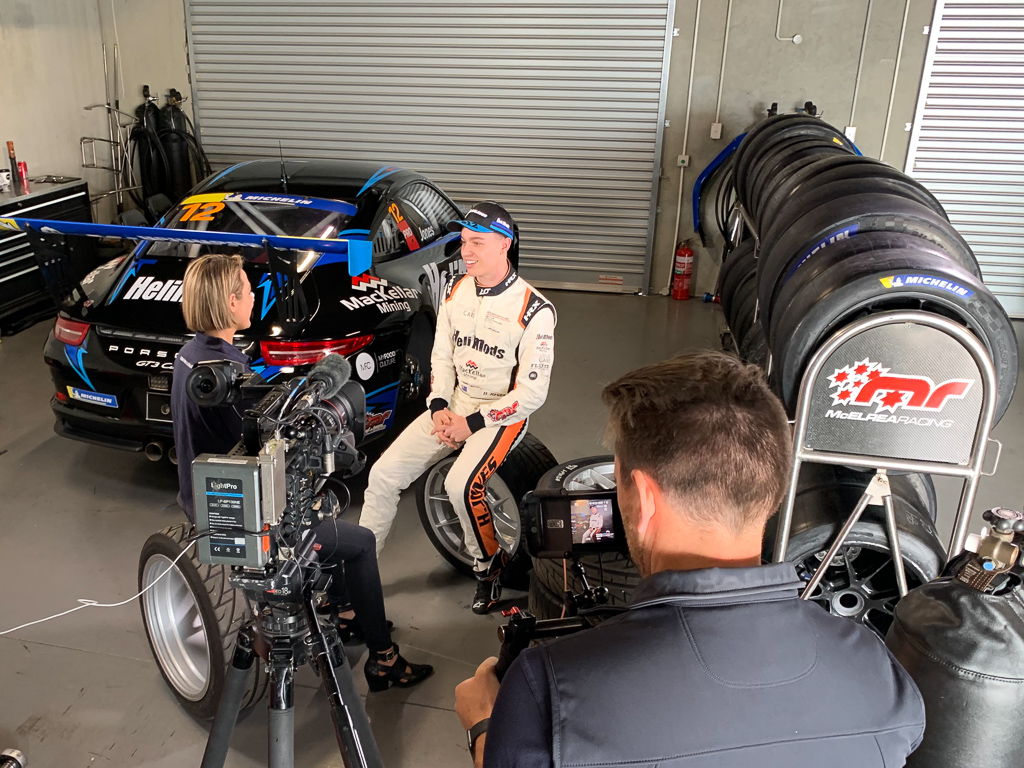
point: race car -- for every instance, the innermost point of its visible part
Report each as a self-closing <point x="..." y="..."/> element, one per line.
<point x="111" y="353"/>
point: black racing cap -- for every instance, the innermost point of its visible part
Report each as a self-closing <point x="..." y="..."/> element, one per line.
<point x="485" y="217"/>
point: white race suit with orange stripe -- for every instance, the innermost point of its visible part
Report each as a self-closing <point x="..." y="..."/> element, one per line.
<point x="491" y="362"/>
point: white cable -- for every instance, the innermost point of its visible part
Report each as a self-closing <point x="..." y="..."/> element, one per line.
<point x="860" y="63"/>
<point x="721" y="71"/>
<point x="87" y="603"/>
<point x="795" y="39"/>
<point x="895" y="74"/>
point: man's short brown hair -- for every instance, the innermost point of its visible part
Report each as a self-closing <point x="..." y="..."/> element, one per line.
<point x="706" y="427"/>
<point x="209" y="282"/>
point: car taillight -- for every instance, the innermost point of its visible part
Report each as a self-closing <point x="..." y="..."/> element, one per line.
<point x="309" y="352"/>
<point x="70" y="332"/>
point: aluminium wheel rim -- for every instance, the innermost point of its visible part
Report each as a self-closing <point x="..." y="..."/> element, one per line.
<point x="176" y="630"/>
<point x="591" y="477"/>
<point x="860" y="584"/>
<point x="445" y="523"/>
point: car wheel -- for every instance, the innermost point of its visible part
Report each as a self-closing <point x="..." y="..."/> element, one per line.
<point x="191" y="616"/>
<point x="518" y="474"/>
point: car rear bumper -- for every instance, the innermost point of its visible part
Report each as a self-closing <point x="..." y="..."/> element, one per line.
<point x="76" y="424"/>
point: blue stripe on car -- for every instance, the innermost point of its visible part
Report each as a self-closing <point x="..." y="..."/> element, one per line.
<point x="381" y="173"/>
<point x="74" y="356"/>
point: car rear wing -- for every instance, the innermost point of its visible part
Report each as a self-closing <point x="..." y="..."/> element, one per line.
<point x="358" y="253"/>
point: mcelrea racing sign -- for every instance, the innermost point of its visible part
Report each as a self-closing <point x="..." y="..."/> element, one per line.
<point x="897" y="391"/>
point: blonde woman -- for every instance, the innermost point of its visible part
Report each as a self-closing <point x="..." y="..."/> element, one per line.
<point x="217" y="301"/>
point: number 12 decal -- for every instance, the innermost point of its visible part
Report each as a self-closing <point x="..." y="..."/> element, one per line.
<point x="200" y="212"/>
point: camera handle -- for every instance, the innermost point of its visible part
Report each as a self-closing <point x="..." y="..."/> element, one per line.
<point x="589" y="597"/>
<point x="523" y="627"/>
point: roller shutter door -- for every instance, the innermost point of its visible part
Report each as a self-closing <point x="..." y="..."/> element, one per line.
<point x="967" y="143"/>
<point x="553" y="108"/>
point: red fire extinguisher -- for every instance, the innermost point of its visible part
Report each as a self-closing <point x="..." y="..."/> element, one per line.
<point x="682" y="272"/>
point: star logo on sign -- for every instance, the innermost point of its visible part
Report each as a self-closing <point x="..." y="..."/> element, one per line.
<point x="843" y="396"/>
<point x="891" y="401"/>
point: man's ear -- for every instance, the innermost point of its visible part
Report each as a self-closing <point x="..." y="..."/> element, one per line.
<point x="648" y="492"/>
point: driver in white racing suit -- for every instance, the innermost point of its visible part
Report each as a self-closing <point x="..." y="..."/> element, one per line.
<point x="490" y="368"/>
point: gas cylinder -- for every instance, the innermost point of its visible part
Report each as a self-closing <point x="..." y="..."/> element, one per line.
<point x="682" y="271"/>
<point x="961" y="638"/>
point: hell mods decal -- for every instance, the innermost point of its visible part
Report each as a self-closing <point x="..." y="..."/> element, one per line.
<point x="902" y="391"/>
<point x="868" y="391"/>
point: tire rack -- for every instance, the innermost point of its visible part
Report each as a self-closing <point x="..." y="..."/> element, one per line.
<point x="970" y="471"/>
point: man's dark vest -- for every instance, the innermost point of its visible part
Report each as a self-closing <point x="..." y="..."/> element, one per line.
<point x="727" y="668"/>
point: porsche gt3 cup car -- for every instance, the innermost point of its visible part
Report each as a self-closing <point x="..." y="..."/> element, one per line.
<point x="111" y="354"/>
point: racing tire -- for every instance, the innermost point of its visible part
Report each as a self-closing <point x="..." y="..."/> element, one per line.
<point x="853" y="289"/>
<point x="191" y="617"/>
<point x="782" y="253"/>
<point x="766" y="131"/>
<point x="519" y="473"/>
<point x="866" y="245"/>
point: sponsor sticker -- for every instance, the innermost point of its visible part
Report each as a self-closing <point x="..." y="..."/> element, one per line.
<point x="94" y="398"/>
<point x="387" y="359"/>
<point x="533" y="376"/>
<point x="365" y="365"/>
<point x="927" y="281"/>
<point x="377" y="422"/>
<point x="499" y="414"/>
<point x="385" y="296"/>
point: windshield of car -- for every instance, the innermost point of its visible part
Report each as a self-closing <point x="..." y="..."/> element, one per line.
<point x="254" y="213"/>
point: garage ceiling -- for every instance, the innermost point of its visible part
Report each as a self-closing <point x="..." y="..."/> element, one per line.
<point x="554" y="109"/>
<point x="966" y="140"/>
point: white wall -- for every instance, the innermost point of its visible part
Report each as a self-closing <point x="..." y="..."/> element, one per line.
<point x="53" y="67"/>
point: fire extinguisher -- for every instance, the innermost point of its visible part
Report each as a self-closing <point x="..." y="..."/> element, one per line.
<point x="682" y="272"/>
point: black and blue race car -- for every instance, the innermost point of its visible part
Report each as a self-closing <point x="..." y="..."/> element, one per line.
<point x="111" y="353"/>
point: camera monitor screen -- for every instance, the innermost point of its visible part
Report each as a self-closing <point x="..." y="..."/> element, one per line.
<point x="591" y="521"/>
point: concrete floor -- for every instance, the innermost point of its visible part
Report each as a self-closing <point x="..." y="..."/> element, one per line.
<point x="83" y="690"/>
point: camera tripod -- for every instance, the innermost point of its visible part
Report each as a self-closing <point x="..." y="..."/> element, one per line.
<point x="290" y="635"/>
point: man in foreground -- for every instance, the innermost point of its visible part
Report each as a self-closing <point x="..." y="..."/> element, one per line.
<point x="716" y="663"/>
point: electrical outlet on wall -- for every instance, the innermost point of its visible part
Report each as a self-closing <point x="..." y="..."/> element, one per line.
<point x="851" y="132"/>
<point x="716" y="130"/>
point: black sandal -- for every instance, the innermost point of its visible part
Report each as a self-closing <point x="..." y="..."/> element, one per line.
<point x="380" y="676"/>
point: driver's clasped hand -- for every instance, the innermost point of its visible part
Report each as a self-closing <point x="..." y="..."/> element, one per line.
<point x="450" y="429"/>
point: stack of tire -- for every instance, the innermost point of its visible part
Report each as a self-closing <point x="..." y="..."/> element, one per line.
<point x="835" y="237"/>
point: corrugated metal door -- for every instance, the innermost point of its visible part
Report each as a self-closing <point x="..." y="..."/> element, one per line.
<point x="967" y="143"/>
<point x="553" y="108"/>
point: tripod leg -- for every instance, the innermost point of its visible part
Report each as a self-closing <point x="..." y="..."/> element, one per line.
<point x="281" y="734"/>
<point x="231" y="700"/>
<point x="351" y="724"/>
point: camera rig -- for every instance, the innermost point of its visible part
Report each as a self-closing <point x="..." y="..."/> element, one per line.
<point x="256" y="511"/>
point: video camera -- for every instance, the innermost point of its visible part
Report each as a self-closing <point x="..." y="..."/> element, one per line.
<point x="256" y="510"/>
<point x="258" y="502"/>
<point x="566" y="521"/>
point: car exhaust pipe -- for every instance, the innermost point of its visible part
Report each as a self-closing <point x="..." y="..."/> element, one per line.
<point x="154" y="450"/>
<point x="172" y="455"/>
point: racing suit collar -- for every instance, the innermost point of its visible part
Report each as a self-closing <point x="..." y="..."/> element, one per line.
<point x="719" y="586"/>
<point x="501" y="287"/>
